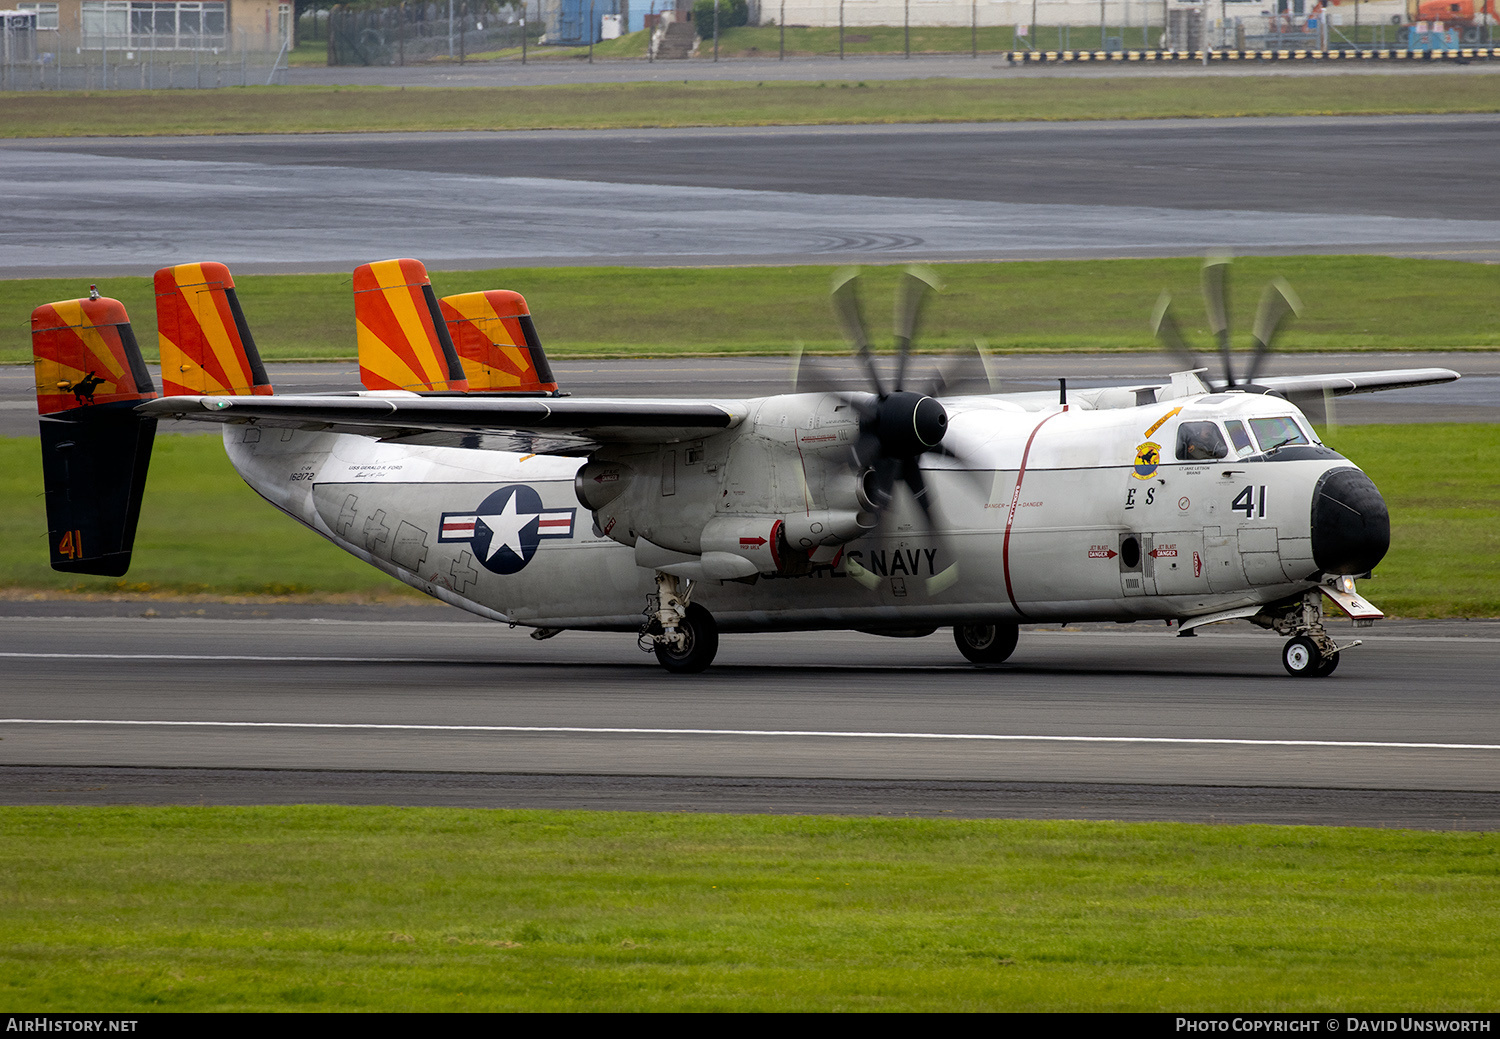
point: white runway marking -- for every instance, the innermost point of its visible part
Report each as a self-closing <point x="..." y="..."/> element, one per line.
<point x="226" y="656"/>
<point x="780" y="733"/>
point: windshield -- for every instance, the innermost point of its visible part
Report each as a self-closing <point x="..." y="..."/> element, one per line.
<point x="1277" y="432"/>
<point x="1241" y="438"/>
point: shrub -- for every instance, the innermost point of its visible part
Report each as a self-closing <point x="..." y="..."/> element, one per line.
<point x="731" y="14"/>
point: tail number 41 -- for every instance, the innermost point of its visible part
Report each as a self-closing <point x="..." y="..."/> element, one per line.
<point x="1250" y="503"/>
<point x="71" y="544"/>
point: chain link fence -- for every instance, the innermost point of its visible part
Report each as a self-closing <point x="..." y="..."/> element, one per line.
<point x="137" y="45"/>
<point x="417" y="32"/>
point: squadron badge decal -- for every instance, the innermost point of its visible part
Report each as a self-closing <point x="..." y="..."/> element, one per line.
<point x="1147" y="458"/>
<point x="506" y="528"/>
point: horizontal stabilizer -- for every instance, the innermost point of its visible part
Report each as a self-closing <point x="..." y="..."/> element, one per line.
<point x="497" y="342"/>
<point x="565" y="426"/>
<point x="206" y="346"/>
<point x="403" y="340"/>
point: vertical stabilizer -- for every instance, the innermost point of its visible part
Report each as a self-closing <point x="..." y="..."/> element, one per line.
<point x="403" y="340"/>
<point x="206" y="346"/>
<point x="497" y="342"/>
<point x="95" y="448"/>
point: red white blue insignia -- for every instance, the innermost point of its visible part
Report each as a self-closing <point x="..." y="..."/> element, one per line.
<point x="506" y="528"/>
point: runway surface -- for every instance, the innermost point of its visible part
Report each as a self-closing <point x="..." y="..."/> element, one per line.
<point x="101" y="206"/>
<point x="1475" y="398"/>
<point x="1100" y="721"/>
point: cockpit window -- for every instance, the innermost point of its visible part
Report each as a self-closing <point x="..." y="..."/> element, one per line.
<point x="1200" y="442"/>
<point x="1240" y="437"/>
<point x="1277" y="432"/>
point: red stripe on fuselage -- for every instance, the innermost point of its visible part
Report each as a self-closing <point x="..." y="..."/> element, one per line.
<point x="1010" y="517"/>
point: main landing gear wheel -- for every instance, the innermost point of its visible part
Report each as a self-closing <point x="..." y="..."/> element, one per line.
<point x="1303" y="659"/>
<point x="987" y="643"/>
<point x="700" y="643"/>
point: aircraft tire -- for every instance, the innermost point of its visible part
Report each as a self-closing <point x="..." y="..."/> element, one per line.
<point x="987" y="643"/>
<point x="1328" y="665"/>
<point x="702" y="646"/>
<point x="1302" y="658"/>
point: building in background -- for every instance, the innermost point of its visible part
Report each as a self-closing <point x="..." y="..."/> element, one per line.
<point x="217" y="26"/>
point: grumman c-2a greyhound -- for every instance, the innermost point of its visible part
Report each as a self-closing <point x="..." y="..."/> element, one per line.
<point x="461" y="470"/>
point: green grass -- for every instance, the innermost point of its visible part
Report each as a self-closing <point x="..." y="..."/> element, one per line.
<point x="1442" y="484"/>
<point x="203" y="530"/>
<point x="314" y="109"/>
<point x="380" y="909"/>
<point x="859" y="41"/>
<point x="1353" y="303"/>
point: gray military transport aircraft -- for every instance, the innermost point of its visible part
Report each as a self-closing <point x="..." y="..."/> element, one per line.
<point x="896" y="508"/>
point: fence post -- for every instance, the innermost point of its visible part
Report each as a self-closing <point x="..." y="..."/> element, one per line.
<point x="841" y="27"/>
<point x="716" y="30"/>
<point x="974" y="28"/>
<point x="591" y="32"/>
<point x="463" y="30"/>
<point x="908" y="28"/>
<point x="523" y="32"/>
<point x="781" y="24"/>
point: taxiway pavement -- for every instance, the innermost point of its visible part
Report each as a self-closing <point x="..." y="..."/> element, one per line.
<point x="91" y="207"/>
<point x="1095" y="721"/>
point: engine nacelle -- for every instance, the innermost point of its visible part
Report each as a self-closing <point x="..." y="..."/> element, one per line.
<point x="823" y="527"/>
<point x="599" y="483"/>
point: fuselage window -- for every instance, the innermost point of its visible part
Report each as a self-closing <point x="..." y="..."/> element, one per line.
<point x="1200" y="442"/>
<point x="1277" y="432"/>
<point x="1240" y="438"/>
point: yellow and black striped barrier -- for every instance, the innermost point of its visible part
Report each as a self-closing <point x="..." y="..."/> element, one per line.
<point x="1371" y="54"/>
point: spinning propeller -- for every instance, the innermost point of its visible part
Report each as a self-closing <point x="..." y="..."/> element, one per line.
<point x="900" y="423"/>
<point x="1277" y="302"/>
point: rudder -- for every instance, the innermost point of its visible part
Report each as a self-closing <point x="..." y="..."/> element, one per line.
<point x="206" y="345"/>
<point x="95" y="448"/>
<point x="497" y="342"/>
<point x="403" y="340"/>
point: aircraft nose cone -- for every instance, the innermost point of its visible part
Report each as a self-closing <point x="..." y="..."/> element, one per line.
<point x="1351" y="529"/>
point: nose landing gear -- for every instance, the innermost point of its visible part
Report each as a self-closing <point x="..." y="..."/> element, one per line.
<point x="1311" y="651"/>
<point x="1302" y="657"/>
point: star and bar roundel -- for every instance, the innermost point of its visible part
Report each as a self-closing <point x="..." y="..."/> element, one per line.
<point x="506" y="528"/>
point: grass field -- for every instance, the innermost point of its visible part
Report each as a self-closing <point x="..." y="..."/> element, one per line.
<point x="389" y="909"/>
<point x="203" y="530"/>
<point x="1352" y="303"/>
<point x="325" y="109"/>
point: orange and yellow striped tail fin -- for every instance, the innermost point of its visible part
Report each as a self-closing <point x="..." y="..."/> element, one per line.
<point x="497" y="342"/>
<point x="403" y="340"/>
<point x="206" y="346"/>
<point x="86" y="355"/>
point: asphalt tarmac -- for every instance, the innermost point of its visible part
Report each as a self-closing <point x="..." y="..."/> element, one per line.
<point x="281" y="203"/>
<point x="152" y="703"/>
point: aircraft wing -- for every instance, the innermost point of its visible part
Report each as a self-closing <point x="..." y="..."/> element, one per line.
<point x="1295" y="386"/>
<point x="567" y="426"/>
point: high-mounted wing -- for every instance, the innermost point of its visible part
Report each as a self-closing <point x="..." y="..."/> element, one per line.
<point x="566" y="426"/>
<point x="1344" y="383"/>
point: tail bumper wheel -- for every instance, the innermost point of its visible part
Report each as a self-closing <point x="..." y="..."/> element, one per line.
<point x="1303" y="659"/>
<point x="700" y="643"/>
<point x="987" y="643"/>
